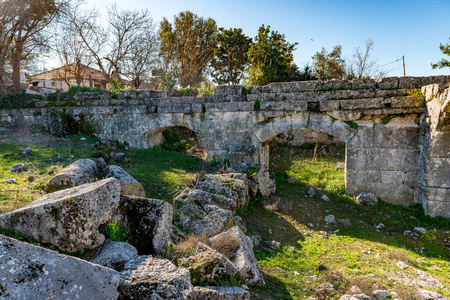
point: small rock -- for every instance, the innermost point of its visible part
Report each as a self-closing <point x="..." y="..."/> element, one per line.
<point x="367" y="199"/>
<point x="330" y="219"/>
<point x="245" y="287"/>
<point x="355" y="297"/>
<point x="340" y="166"/>
<point x="296" y="273"/>
<point x="112" y="255"/>
<point x="274" y="245"/>
<point x="83" y="139"/>
<point x="411" y="234"/>
<point x="18" y="168"/>
<point x="311" y="192"/>
<point x="380" y="294"/>
<point x="355" y="290"/>
<point x="292" y="180"/>
<point x="420" y="230"/>
<point x="219" y="292"/>
<point x="325" y="198"/>
<point x="240" y="222"/>
<point x="10" y="181"/>
<point x="256" y="240"/>
<point x="278" y="269"/>
<point x="324" y="287"/>
<point x="379" y="226"/>
<point x="290" y="249"/>
<point x="26" y="151"/>
<point x="401" y="265"/>
<point x="371" y="275"/>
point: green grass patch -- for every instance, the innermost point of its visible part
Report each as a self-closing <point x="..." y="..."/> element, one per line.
<point x="352" y="124"/>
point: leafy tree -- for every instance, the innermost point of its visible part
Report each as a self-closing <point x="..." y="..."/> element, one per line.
<point x="271" y="58"/>
<point x="445" y="49"/>
<point x="187" y="46"/>
<point x="329" y="65"/>
<point x="230" y="56"/>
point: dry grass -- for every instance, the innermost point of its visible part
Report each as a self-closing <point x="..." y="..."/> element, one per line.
<point x="405" y="292"/>
<point x="400" y="255"/>
<point x="192" y="182"/>
<point x="188" y="246"/>
<point x="226" y="244"/>
<point x="367" y="286"/>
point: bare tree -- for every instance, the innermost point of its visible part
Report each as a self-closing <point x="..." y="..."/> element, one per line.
<point x="23" y="29"/>
<point x="363" y="64"/>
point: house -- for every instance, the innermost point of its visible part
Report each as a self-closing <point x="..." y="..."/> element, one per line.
<point x="64" y="77"/>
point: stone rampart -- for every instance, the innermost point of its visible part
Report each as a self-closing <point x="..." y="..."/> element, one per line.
<point x="392" y="135"/>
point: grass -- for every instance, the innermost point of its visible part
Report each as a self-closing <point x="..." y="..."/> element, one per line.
<point x="350" y="250"/>
<point x="353" y="248"/>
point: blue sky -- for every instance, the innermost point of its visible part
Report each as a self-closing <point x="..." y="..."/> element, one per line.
<point x="410" y="28"/>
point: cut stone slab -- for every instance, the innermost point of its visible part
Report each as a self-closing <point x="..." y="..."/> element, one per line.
<point x="80" y="172"/>
<point x="146" y="277"/>
<point x="68" y="219"/>
<point x="203" y="197"/>
<point x="129" y="185"/>
<point x="232" y="185"/>
<point x="31" y="272"/>
<point x="112" y="254"/>
<point x="220" y="292"/>
<point x="244" y="258"/>
<point x="266" y="183"/>
<point x="149" y="222"/>
<point x="207" y="265"/>
<point x="204" y="218"/>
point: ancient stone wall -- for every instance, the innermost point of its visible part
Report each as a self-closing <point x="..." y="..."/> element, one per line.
<point x="381" y="122"/>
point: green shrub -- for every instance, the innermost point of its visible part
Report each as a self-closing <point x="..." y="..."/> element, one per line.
<point x="18" y="100"/>
<point x="117" y="232"/>
<point x="187" y="92"/>
<point x="205" y="90"/>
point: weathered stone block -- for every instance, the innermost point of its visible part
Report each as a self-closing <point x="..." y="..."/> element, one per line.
<point x="408" y="82"/>
<point x="387" y="83"/>
<point x="30" y="272"/>
<point x="220" y="292"/>
<point x="259" y="90"/>
<point x="221" y="107"/>
<point x="342" y="131"/>
<point x="320" y="122"/>
<point x="358" y="84"/>
<point x="284" y="105"/>
<point x="436" y="202"/>
<point x="224" y="90"/>
<point x="126" y="95"/>
<point x="149" y="218"/>
<point x="329" y="105"/>
<point x="437" y="172"/>
<point x="146" y="277"/>
<point x="345" y="115"/>
<point x="92" y="96"/>
<point x="69" y="219"/>
<point x="335" y="84"/>
<point x="440" y="145"/>
<point x="397" y="137"/>
<point x="129" y="186"/>
<point x="362" y="103"/>
<point x="389" y="93"/>
<point x="408" y="101"/>
<point x="246" y="106"/>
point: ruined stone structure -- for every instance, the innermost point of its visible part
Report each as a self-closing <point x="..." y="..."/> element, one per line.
<point x="397" y="142"/>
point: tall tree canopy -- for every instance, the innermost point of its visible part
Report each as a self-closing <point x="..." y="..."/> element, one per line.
<point x="445" y="49"/>
<point x="22" y="30"/>
<point x="329" y="65"/>
<point x="230" y="56"/>
<point x="271" y="58"/>
<point x="187" y="46"/>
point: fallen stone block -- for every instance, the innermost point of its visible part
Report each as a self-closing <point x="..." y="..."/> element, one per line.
<point x="112" y="254"/>
<point x="266" y="183"/>
<point x="68" y="219"/>
<point x="18" y="168"/>
<point x="30" y="272"/>
<point x="80" y="172"/>
<point x="203" y="197"/>
<point x="149" y="222"/>
<point x="244" y="258"/>
<point x="232" y="186"/>
<point x="128" y="185"/>
<point x="204" y="218"/>
<point x="220" y="292"/>
<point x="146" y="277"/>
<point x="207" y="265"/>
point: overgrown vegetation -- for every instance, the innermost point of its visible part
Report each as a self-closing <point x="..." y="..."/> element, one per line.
<point x="352" y="248"/>
<point x="18" y="100"/>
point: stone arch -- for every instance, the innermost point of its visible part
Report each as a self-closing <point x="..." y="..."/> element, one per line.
<point x="313" y="121"/>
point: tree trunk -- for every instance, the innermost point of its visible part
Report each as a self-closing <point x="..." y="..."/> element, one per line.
<point x="15" y="63"/>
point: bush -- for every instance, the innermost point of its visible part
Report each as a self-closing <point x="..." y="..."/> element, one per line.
<point x="18" y="100"/>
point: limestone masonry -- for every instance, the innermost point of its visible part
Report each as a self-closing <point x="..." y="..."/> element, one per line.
<point x="397" y="139"/>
